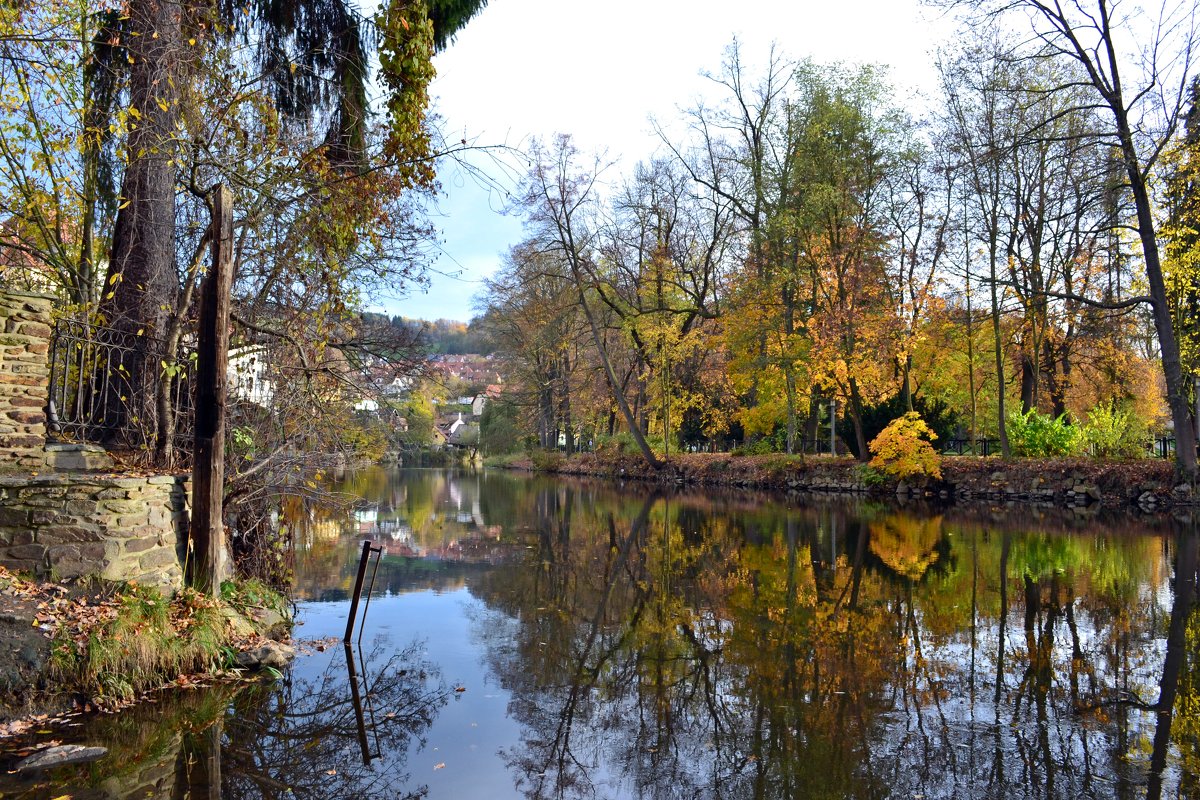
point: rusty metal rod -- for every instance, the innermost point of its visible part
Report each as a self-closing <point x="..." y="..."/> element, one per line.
<point x="358" y="585"/>
<point x="378" y="557"/>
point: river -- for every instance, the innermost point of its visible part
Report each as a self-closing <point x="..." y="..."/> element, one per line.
<point x="533" y="638"/>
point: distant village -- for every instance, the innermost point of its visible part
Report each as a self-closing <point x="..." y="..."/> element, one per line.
<point x="458" y="387"/>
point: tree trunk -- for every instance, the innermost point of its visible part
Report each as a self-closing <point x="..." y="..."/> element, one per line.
<point x="1028" y="382"/>
<point x="618" y="395"/>
<point x="999" y="347"/>
<point x="791" y="409"/>
<point x="141" y="285"/>
<point x="856" y="413"/>
<point x="1185" y="438"/>
<point x="906" y="382"/>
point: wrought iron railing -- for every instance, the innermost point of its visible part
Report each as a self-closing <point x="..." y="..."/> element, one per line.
<point x="963" y="447"/>
<point x="105" y="385"/>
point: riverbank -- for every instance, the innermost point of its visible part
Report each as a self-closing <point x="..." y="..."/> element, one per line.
<point x="1143" y="484"/>
<point x="71" y="647"/>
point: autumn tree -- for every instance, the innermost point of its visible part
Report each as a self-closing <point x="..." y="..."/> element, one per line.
<point x="57" y="134"/>
<point x="1181" y="230"/>
<point x="531" y="312"/>
<point x="560" y="200"/>
<point x="848" y="147"/>
<point x="1142" y="90"/>
<point x="311" y="60"/>
<point x="663" y="257"/>
<point x="739" y="150"/>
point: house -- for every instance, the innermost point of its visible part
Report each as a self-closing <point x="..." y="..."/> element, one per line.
<point x="480" y="401"/>
<point x="246" y="374"/>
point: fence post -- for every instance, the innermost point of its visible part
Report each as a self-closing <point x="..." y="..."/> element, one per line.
<point x="832" y="427"/>
<point x="208" y="471"/>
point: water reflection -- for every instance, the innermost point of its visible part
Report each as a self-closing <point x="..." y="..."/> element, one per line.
<point x="439" y="528"/>
<point x="297" y="738"/>
<point x="305" y="739"/>
<point x="639" y="645"/>
<point x="360" y="687"/>
<point x="784" y="653"/>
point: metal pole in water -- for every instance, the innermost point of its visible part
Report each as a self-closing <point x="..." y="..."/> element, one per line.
<point x="378" y="551"/>
<point x="358" y="586"/>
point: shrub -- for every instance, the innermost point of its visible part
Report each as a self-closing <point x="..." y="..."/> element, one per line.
<point x="904" y="450"/>
<point x="1114" y="432"/>
<point x="620" y="442"/>
<point x="1037" y="435"/>
<point x="937" y="415"/>
<point x="869" y="476"/>
<point x="547" y="460"/>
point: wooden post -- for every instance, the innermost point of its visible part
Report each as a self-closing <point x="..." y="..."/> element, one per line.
<point x="208" y="464"/>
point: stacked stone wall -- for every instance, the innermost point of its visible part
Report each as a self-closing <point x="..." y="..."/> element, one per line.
<point x="66" y="527"/>
<point x="24" y="378"/>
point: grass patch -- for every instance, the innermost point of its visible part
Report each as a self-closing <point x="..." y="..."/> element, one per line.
<point x="253" y="593"/>
<point x="504" y="461"/>
<point x="779" y="464"/>
<point x="135" y="640"/>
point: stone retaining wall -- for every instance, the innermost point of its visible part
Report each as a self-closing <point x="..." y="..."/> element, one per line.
<point x="24" y="344"/>
<point x="1147" y="484"/>
<point x="116" y="528"/>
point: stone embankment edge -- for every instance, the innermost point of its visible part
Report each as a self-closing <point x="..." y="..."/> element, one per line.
<point x="1148" y="485"/>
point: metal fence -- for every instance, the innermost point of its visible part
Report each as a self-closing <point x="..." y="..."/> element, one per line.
<point x="973" y="447"/>
<point x="1161" y="447"/>
<point x="105" y="383"/>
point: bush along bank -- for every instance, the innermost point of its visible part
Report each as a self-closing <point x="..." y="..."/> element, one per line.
<point x="1145" y="483"/>
<point x="105" y="646"/>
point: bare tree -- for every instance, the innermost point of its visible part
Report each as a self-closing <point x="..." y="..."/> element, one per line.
<point x="559" y="199"/>
<point x="1142" y="89"/>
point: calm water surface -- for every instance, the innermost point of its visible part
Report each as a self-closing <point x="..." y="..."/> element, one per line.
<point x="538" y="639"/>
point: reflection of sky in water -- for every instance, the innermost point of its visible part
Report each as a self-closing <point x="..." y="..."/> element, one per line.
<point x="931" y="714"/>
<point x="471" y="729"/>
<point x="615" y="645"/>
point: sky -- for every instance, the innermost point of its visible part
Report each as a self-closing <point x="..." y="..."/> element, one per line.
<point x="600" y="71"/>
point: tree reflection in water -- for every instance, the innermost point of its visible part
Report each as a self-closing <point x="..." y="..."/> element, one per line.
<point x="303" y="738"/>
<point x="653" y="650"/>
<point x="292" y="739"/>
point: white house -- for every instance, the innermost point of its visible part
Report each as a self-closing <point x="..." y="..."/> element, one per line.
<point x="247" y="375"/>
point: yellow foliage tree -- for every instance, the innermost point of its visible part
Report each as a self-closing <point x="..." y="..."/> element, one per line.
<point x="903" y="449"/>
